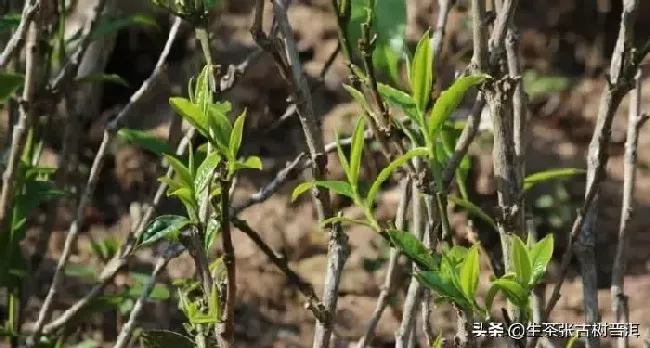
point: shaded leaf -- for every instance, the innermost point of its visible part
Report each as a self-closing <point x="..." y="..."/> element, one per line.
<point x="146" y="140"/>
<point x="473" y="209"/>
<point x="414" y="249"/>
<point x="9" y="83"/>
<point x="104" y="78"/>
<point x="164" y="226"/>
<point x="552" y="174"/>
<point x="344" y="220"/>
<point x="251" y="162"/>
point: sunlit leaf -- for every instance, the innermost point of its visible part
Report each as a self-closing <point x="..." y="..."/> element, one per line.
<point x="470" y="272"/>
<point x="422" y="72"/>
<point x="552" y="174"/>
<point x="356" y="151"/>
<point x="386" y="172"/>
<point x="191" y="113"/>
<point x="520" y="260"/>
<point x="338" y="187"/>
<point x="414" y="249"/>
<point x="540" y="255"/>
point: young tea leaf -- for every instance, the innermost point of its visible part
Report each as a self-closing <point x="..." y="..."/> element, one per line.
<point x="219" y="123"/>
<point x="473" y="209"/>
<point x="414" y="249"/>
<point x="211" y="232"/>
<point x="443" y="286"/>
<point x="422" y="72"/>
<point x="344" y="220"/>
<point x="520" y="260"/>
<point x="449" y="100"/>
<point x="386" y="172"/>
<point x="164" y="226"/>
<point x="205" y="172"/>
<point x="540" y="255"/>
<point x="192" y="114"/>
<point x="553" y="174"/>
<point x="236" y="135"/>
<point x="146" y="141"/>
<point x="470" y="272"/>
<point x="359" y="98"/>
<point x="9" y="83"/>
<point x="251" y="162"/>
<point x="183" y="172"/>
<point x="401" y="100"/>
<point x="513" y="291"/>
<point x="357" y="149"/>
<point x="338" y="187"/>
<point x="342" y="159"/>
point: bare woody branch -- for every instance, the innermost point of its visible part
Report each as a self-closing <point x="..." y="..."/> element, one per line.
<point x="634" y="123"/>
<point x="24" y="121"/>
<point x="283" y="47"/>
<point x="622" y="71"/>
<point x="388" y="287"/>
<point x="123" y="339"/>
<point x="18" y="38"/>
<point x="109" y="135"/>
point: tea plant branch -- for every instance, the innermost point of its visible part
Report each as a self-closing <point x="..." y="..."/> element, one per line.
<point x="388" y="287"/>
<point x="313" y="304"/>
<point x="114" y="265"/>
<point x="285" y="55"/>
<point x="620" y="79"/>
<point x="228" y="334"/>
<point x="414" y="292"/>
<point x="109" y="135"/>
<point x="228" y="79"/>
<point x="479" y="64"/>
<point x="444" y="6"/>
<point x="18" y="38"/>
<point x="635" y="121"/>
<point x="170" y="253"/>
<point x="621" y="72"/>
<point x="19" y="136"/>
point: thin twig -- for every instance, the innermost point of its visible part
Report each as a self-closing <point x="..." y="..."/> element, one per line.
<point x="414" y="292"/>
<point x="109" y="135"/>
<point x="172" y="252"/>
<point x="313" y="304"/>
<point x="619" y="299"/>
<point x="285" y="53"/>
<point x="621" y="75"/>
<point x="388" y="287"/>
<point x="25" y="120"/>
<point x="17" y="40"/>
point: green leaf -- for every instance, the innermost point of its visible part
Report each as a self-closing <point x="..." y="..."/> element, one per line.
<point x="103" y="78"/>
<point x="422" y="72"/>
<point x="470" y="272"/>
<point x="414" y="249"/>
<point x="572" y="341"/>
<point x="164" y="226"/>
<point x="449" y="100"/>
<point x="192" y="114"/>
<point x="491" y="294"/>
<point x="86" y="344"/>
<point x="386" y="172"/>
<point x="219" y="123"/>
<point x="211" y="232"/>
<point x="399" y="99"/>
<point x="185" y="194"/>
<point x="172" y="184"/>
<point x="541" y="255"/>
<point x="513" y="291"/>
<point x="342" y="160"/>
<point x="520" y="260"/>
<point x="344" y="220"/>
<point x="85" y="272"/>
<point x="159" y="291"/>
<point x="356" y="151"/>
<point x="9" y="83"/>
<point x="205" y="173"/>
<point x="251" y="162"/>
<point x="437" y="343"/>
<point x="8" y="22"/>
<point x="443" y="286"/>
<point x="338" y="187"/>
<point x="183" y="172"/>
<point x="109" y="27"/>
<point x="236" y="135"/>
<point x="359" y="98"/>
<point x="146" y="141"/>
<point x="203" y="90"/>
<point x="164" y="339"/>
<point x="473" y="209"/>
<point x="553" y="174"/>
<point x="386" y="60"/>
